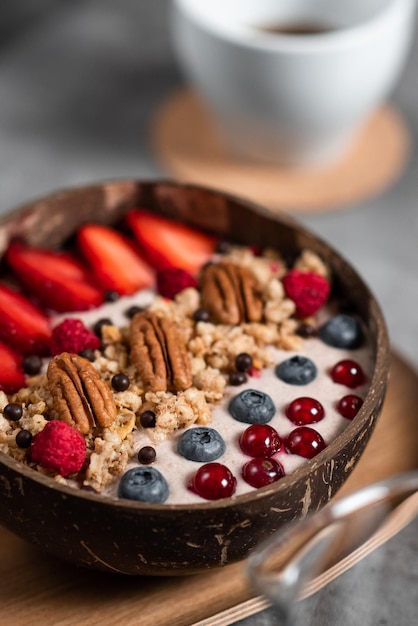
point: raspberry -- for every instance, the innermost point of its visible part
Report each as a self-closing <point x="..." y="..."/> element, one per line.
<point x="173" y="280"/>
<point x="255" y="372"/>
<point x="59" y="448"/>
<point x="309" y="291"/>
<point x="72" y="336"/>
<point x="256" y="250"/>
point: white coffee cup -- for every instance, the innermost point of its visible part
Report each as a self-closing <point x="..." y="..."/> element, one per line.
<point x="288" y="98"/>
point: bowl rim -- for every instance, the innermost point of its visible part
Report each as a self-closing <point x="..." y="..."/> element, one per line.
<point x="377" y="383"/>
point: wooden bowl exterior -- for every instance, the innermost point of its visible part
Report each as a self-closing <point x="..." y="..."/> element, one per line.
<point x="135" y="538"/>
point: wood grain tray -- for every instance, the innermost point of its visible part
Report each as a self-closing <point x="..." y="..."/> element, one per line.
<point x="39" y="590"/>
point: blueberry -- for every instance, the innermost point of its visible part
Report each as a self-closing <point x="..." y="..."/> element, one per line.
<point x="201" y="444"/>
<point x="145" y="484"/>
<point x="298" y="370"/>
<point x="252" y="407"/>
<point x="342" y="331"/>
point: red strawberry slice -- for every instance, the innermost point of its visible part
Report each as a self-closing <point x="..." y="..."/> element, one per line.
<point x="115" y="262"/>
<point x="57" y="279"/>
<point x="169" y="244"/>
<point x="22" y="325"/>
<point x="11" y="373"/>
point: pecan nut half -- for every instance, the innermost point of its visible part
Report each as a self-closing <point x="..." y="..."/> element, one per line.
<point x="230" y="294"/>
<point x="79" y="395"/>
<point x="159" y="353"/>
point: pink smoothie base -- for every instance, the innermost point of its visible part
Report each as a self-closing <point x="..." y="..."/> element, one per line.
<point x="178" y="471"/>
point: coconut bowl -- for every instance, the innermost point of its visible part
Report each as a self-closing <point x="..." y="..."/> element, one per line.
<point x="127" y="537"/>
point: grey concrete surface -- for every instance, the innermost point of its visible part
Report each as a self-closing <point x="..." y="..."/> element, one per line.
<point x="80" y="82"/>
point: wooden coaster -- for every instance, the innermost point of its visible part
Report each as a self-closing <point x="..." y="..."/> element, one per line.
<point x="189" y="145"/>
<point x="42" y="591"/>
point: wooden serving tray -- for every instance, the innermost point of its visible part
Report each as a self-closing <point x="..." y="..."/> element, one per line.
<point x="37" y="590"/>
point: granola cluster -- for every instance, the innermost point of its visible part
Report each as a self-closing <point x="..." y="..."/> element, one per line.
<point x="177" y="364"/>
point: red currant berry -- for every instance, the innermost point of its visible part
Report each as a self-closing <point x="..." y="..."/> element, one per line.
<point x="260" y="440"/>
<point x="305" y="411"/>
<point x="348" y="373"/>
<point x="305" y="441"/>
<point x="349" y="406"/>
<point x="261" y="472"/>
<point x="213" y="481"/>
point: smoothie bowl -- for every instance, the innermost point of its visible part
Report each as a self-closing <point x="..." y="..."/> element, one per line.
<point x="183" y="373"/>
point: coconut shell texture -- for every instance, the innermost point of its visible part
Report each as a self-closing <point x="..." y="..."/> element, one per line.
<point x="141" y="539"/>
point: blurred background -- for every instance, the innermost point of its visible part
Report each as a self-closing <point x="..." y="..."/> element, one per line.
<point x="81" y="83"/>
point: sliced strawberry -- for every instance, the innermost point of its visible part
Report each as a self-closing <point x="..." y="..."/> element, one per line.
<point x="11" y="372"/>
<point x="58" y="280"/>
<point x="169" y="244"/>
<point x="114" y="261"/>
<point x="22" y="325"/>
